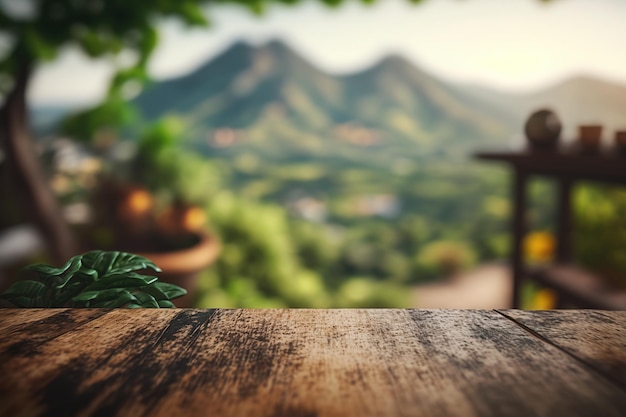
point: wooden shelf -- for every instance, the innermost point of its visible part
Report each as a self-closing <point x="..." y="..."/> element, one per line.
<point x="579" y="286"/>
<point x="601" y="166"/>
<point x="566" y="166"/>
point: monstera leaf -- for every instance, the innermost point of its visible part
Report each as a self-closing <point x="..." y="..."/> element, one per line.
<point x="95" y="279"/>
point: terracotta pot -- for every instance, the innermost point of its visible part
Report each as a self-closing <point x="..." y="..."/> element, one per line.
<point x="181" y="267"/>
<point x="589" y="137"/>
<point x="620" y="141"/>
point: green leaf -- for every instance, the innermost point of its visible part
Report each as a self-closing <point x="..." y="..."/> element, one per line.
<point x="106" y="294"/>
<point x="93" y="43"/>
<point x="171" y="291"/>
<point x="192" y="14"/>
<point x="39" y="46"/>
<point x="82" y="277"/>
<point x="124" y="76"/>
<point x="146" y="300"/>
<point x="93" y="261"/>
<point x="163" y="291"/>
<point x="93" y="279"/>
<point x="26" y="294"/>
<point x="128" y="280"/>
<point x="255" y="6"/>
<point x="148" y="42"/>
<point x="26" y="288"/>
<point x="47" y="271"/>
<point x="166" y="304"/>
<point x="123" y="299"/>
<point x="27" y="302"/>
<point x="111" y="263"/>
<point x="155" y="292"/>
<point x="70" y="291"/>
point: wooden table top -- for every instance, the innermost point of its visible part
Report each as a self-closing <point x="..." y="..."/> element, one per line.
<point x="176" y="362"/>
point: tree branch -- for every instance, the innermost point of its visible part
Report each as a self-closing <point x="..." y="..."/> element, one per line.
<point x="30" y="185"/>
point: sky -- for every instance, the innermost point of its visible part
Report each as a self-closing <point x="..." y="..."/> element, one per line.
<point x="511" y="45"/>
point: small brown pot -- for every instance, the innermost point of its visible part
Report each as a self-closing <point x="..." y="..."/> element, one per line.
<point x="620" y="141"/>
<point x="181" y="267"/>
<point x="589" y="137"/>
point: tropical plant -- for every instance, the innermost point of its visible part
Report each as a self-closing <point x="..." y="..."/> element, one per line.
<point x="95" y="279"/>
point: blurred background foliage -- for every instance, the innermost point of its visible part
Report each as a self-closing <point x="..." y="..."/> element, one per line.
<point x="323" y="191"/>
<point x="600" y="233"/>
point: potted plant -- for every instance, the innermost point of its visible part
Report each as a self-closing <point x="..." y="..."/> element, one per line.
<point x="152" y="205"/>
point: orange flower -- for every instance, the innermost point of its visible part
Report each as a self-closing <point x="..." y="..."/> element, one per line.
<point x="176" y="220"/>
<point x="136" y="204"/>
<point x="193" y="219"/>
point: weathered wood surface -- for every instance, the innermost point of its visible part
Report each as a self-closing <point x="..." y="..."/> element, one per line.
<point x="309" y="363"/>
<point x="597" y="338"/>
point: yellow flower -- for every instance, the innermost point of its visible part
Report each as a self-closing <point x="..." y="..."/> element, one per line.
<point x="544" y="299"/>
<point x="539" y="247"/>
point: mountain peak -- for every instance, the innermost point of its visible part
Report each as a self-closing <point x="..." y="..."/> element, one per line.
<point x="392" y="65"/>
<point x="237" y="48"/>
<point x="279" y="50"/>
<point x="278" y="45"/>
<point x="239" y="44"/>
<point x="238" y="51"/>
<point x="395" y="62"/>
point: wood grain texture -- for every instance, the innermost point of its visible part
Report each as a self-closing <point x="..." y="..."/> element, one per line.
<point x="594" y="337"/>
<point x="299" y="363"/>
<point x="15" y="317"/>
<point x="22" y="334"/>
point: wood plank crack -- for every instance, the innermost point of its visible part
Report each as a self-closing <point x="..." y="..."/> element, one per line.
<point x="608" y="377"/>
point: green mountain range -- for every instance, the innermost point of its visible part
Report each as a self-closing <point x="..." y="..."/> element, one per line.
<point x="268" y="98"/>
<point x="271" y="100"/>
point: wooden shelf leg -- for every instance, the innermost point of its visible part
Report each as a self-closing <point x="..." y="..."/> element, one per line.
<point x="519" y="230"/>
<point x="564" y="219"/>
<point x="564" y="229"/>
